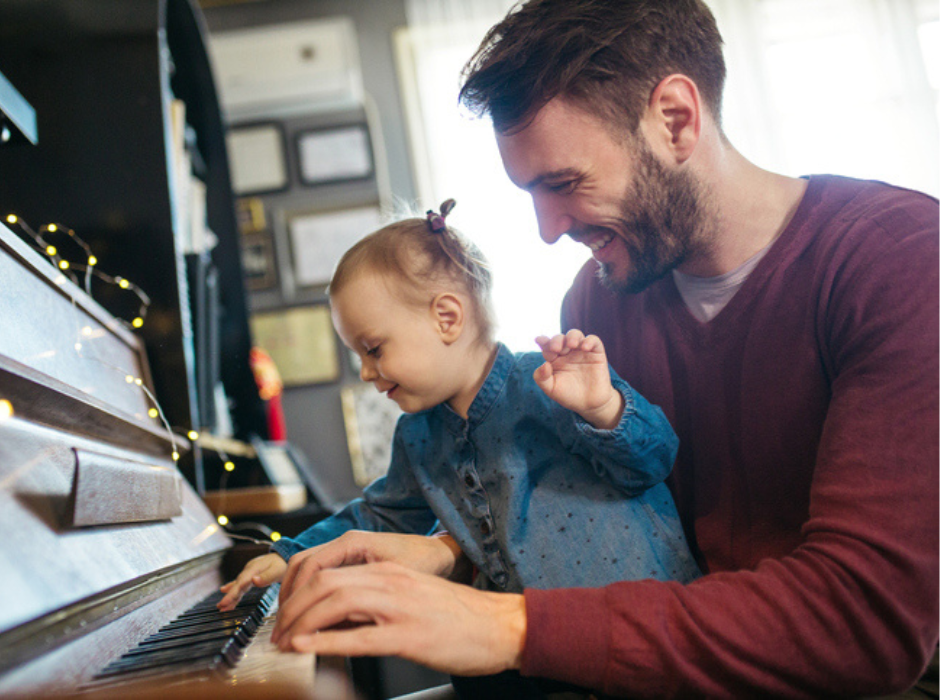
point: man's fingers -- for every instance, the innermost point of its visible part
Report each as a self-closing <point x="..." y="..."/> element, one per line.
<point x="333" y="596"/>
<point x="366" y="640"/>
<point x="339" y="608"/>
<point x="313" y="590"/>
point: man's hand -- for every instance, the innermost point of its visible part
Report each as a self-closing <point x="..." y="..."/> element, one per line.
<point x="260" y="571"/>
<point x="576" y="375"/>
<point x="386" y="609"/>
<point x="439" y="556"/>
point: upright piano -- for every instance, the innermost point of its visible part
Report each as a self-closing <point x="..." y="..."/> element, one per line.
<point x="106" y="549"/>
<point x="109" y="559"/>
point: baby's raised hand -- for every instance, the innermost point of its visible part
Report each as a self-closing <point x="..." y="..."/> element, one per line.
<point x="575" y="374"/>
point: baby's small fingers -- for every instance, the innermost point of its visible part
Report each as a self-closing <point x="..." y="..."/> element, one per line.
<point x="542" y="373"/>
<point x="573" y="339"/>
<point x="592" y="343"/>
<point x="557" y="345"/>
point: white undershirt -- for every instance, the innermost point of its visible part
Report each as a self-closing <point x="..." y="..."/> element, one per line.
<point x="706" y="296"/>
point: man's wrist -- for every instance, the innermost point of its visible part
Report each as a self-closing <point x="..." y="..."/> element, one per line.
<point x="512" y="625"/>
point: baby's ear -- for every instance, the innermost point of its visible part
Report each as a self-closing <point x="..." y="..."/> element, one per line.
<point x="448" y="314"/>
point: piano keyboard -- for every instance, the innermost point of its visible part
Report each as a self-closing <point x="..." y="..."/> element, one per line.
<point x="204" y="642"/>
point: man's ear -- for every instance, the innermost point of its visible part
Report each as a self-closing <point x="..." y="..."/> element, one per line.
<point x="673" y="119"/>
<point x="449" y="316"/>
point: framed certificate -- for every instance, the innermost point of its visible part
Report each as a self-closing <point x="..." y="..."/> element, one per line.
<point x="333" y="155"/>
<point x="257" y="157"/>
<point x="301" y="341"/>
<point x="319" y="239"/>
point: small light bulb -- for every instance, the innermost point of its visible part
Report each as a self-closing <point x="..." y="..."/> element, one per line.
<point x="176" y="456"/>
<point x="153" y="413"/>
<point x="6" y="409"/>
<point x="123" y="283"/>
<point x="137" y="322"/>
<point x="51" y="250"/>
<point x="229" y="466"/>
<point x="275" y="536"/>
<point x="192" y="435"/>
<point x="92" y="261"/>
<point x="63" y="264"/>
<point x="12" y="219"/>
<point x="78" y="347"/>
<point x="129" y="379"/>
<point x="52" y="227"/>
<point x="223" y="520"/>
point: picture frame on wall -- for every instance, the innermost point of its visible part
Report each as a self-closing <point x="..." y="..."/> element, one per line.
<point x="335" y="154"/>
<point x="301" y="342"/>
<point x="257" y="158"/>
<point x="318" y="240"/>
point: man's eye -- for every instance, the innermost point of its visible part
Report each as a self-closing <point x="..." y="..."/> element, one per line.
<point x="565" y="187"/>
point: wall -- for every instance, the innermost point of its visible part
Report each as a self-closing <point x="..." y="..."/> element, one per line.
<point x="313" y="413"/>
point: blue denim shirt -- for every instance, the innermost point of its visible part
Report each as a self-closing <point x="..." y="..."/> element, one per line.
<point x="534" y="495"/>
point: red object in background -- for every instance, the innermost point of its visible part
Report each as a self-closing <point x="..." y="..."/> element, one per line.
<point x="270" y="388"/>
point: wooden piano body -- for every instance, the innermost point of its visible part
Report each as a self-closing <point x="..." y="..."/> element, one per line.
<point x="103" y="540"/>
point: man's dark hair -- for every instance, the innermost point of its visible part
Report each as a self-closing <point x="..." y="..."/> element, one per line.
<point x="606" y="56"/>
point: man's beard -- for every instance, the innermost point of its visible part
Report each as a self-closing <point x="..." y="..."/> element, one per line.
<point x="663" y="218"/>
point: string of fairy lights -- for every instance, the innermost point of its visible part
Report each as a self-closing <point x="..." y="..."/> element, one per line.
<point x="47" y="240"/>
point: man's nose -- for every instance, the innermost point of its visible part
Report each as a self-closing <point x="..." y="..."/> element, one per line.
<point x="552" y="219"/>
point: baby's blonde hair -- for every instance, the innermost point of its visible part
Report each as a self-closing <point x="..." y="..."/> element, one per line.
<point x="428" y="261"/>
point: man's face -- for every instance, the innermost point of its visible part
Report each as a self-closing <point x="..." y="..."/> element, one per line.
<point x="639" y="218"/>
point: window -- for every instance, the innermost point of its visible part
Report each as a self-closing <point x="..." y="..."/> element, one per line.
<point x="852" y="90"/>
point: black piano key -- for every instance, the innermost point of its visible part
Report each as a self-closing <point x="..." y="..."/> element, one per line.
<point x="189" y="640"/>
<point x="157" y="657"/>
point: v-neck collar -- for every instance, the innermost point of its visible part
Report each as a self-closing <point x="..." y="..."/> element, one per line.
<point x="778" y="252"/>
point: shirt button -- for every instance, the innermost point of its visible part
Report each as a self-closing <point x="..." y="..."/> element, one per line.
<point x="485" y="528"/>
<point x="469" y="480"/>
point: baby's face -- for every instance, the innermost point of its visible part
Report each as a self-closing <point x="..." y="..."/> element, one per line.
<point x="399" y="344"/>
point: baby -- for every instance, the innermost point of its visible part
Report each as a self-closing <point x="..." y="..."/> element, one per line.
<point x="546" y="468"/>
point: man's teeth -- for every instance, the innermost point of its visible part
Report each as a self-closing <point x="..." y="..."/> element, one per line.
<point x="599" y="243"/>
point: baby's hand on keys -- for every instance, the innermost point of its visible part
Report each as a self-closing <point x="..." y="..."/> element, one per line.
<point x="261" y="571"/>
<point x="576" y="375"/>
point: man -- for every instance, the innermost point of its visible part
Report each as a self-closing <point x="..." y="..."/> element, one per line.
<point x="787" y="327"/>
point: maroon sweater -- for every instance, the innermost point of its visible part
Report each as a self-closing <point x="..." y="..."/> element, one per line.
<point x="807" y="475"/>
